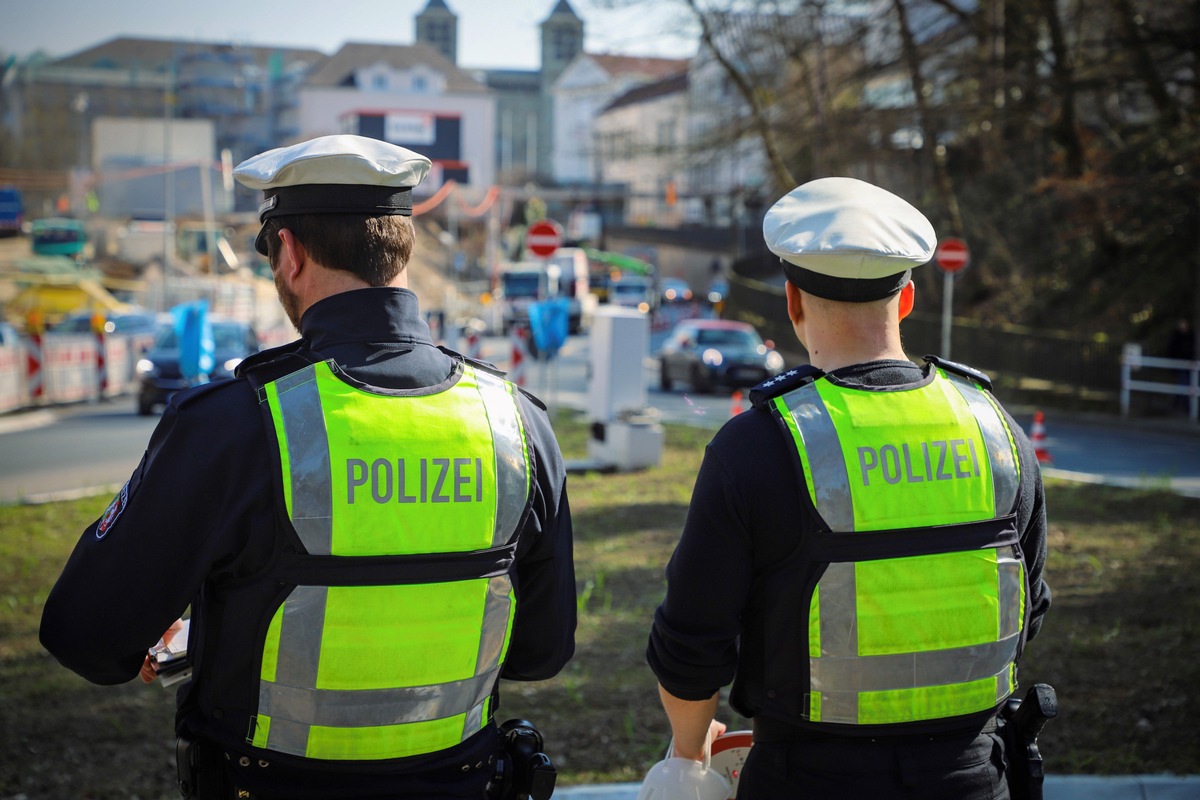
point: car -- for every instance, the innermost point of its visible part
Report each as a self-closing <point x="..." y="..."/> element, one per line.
<point x="709" y="352"/>
<point x="718" y="290"/>
<point x="128" y="323"/>
<point x="158" y="372"/>
<point x="676" y="290"/>
<point x="633" y="291"/>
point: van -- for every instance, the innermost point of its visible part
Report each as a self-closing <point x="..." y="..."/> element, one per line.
<point x="569" y="267"/>
<point x="12" y="211"/>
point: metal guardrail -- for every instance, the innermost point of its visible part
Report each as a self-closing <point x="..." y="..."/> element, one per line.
<point x="1186" y="383"/>
<point x="1064" y="359"/>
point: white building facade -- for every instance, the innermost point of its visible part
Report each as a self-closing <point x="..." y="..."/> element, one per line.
<point x="408" y="95"/>
<point x="583" y="90"/>
<point x="640" y="142"/>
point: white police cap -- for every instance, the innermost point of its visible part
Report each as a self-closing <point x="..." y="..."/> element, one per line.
<point x="341" y="174"/>
<point x="845" y="239"/>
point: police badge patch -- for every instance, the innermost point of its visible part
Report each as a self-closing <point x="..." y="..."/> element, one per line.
<point x="113" y="512"/>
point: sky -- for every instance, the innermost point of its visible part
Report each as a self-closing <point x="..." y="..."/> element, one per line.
<point x="491" y="33"/>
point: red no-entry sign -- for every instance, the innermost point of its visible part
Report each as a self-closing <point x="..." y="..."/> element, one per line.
<point x="543" y="238"/>
<point x="952" y="255"/>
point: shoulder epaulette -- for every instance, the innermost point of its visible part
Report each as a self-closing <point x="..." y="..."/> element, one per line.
<point x="771" y="388"/>
<point x="970" y="373"/>
<point x="264" y="357"/>
<point x="491" y="369"/>
<point x="193" y="393"/>
<point x="486" y="366"/>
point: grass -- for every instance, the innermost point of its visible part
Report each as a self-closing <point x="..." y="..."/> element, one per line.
<point x="1121" y="644"/>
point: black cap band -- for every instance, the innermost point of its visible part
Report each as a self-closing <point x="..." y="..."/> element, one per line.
<point x="332" y="198"/>
<point x="845" y="290"/>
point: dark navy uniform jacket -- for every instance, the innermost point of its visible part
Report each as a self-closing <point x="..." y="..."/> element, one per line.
<point x="748" y="514"/>
<point x="199" y="515"/>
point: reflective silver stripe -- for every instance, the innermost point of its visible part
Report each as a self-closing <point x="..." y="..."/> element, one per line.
<point x="308" y="453"/>
<point x="839" y="707"/>
<point x="1005" y="478"/>
<point x="495" y="623"/>
<point x="825" y="460"/>
<point x="299" y="657"/>
<point x="1009" y="580"/>
<point x="512" y="487"/>
<point x="287" y="736"/>
<point x="473" y="722"/>
<point x="496" y="609"/>
<point x="913" y="670"/>
<point x="355" y="708"/>
<point x="838" y="604"/>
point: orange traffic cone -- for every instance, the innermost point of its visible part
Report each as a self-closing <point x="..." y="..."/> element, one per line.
<point x="1038" y="436"/>
<point x="736" y="405"/>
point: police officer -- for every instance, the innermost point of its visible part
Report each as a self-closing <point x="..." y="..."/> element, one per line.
<point x="863" y="554"/>
<point x="369" y="531"/>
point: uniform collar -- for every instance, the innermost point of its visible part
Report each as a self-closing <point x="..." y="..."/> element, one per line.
<point x="365" y="315"/>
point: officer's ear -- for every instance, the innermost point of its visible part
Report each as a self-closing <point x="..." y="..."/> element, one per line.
<point x="907" y="298"/>
<point x="292" y="255"/>
<point x="795" y="308"/>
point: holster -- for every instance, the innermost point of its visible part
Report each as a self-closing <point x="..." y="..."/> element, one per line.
<point x="199" y="770"/>
<point x="1020" y="724"/>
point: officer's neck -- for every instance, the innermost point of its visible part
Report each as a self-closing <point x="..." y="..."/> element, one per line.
<point x="834" y="345"/>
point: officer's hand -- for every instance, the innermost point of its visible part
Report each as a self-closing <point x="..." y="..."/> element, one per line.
<point x="149" y="666"/>
<point x="715" y="729"/>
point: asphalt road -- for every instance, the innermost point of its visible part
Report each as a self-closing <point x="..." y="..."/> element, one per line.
<point x="55" y="452"/>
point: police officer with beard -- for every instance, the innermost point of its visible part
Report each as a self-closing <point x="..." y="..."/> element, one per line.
<point x="370" y="531"/>
<point x="863" y="555"/>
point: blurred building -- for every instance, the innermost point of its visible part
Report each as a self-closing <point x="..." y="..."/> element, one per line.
<point x="48" y="107"/>
<point x="588" y="84"/>
<point x="410" y="95"/>
<point x="524" y="108"/>
<point x="639" y="142"/>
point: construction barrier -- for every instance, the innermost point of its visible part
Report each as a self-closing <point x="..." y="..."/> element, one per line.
<point x="520" y="355"/>
<point x="11" y="384"/>
<point x="474" y="347"/>
<point x="45" y="370"/>
<point x="34" y="371"/>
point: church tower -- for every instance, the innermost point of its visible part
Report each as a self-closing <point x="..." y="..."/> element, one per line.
<point x="437" y="26"/>
<point x="562" y="40"/>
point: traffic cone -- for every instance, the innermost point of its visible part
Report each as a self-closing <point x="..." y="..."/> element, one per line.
<point x="1038" y="436"/>
<point x="736" y="406"/>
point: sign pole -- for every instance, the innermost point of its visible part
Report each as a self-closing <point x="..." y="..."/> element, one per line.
<point x="947" y="305"/>
<point x="952" y="256"/>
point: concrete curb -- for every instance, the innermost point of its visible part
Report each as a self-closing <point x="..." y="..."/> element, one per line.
<point x="25" y="420"/>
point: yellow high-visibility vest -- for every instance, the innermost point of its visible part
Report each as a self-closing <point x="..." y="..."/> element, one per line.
<point x="394" y="627"/>
<point x="919" y="611"/>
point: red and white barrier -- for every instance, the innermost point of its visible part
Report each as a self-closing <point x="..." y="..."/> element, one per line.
<point x="474" y="347"/>
<point x="11" y="363"/>
<point x="34" y="369"/>
<point x="520" y="355"/>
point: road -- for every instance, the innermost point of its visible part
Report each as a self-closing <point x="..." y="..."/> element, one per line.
<point x="51" y="452"/>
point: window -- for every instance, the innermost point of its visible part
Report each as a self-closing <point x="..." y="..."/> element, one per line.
<point x="564" y="45"/>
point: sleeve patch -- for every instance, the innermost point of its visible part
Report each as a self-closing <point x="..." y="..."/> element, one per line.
<point x="113" y="512"/>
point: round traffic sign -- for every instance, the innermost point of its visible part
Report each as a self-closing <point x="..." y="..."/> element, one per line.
<point x="952" y="255"/>
<point x="543" y="238"/>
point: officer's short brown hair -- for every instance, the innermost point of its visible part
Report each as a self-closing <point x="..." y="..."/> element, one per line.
<point x="375" y="249"/>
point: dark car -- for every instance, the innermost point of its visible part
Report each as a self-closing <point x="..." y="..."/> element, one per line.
<point x="709" y="352"/>
<point x="158" y="371"/>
